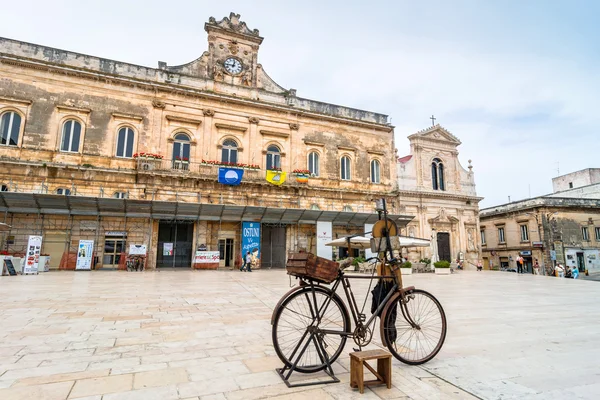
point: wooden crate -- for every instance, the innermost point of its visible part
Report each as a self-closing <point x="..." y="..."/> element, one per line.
<point x="307" y="265"/>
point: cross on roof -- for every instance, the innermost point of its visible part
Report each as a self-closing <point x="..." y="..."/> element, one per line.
<point x="432" y="118"/>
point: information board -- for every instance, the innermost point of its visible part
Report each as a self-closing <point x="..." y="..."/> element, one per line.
<point x="32" y="256"/>
<point x="85" y="252"/>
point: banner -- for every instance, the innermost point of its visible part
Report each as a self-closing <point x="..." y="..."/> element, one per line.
<point x="276" y="177"/>
<point x="32" y="257"/>
<point x="137" y="249"/>
<point x="204" y="257"/>
<point x="167" y="249"/>
<point x="250" y="239"/>
<point x="85" y="253"/>
<point x="324" y="235"/>
<point x="230" y="176"/>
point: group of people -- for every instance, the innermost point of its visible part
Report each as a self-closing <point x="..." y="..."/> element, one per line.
<point x="460" y="264"/>
<point x="564" y="271"/>
<point x="250" y="261"/>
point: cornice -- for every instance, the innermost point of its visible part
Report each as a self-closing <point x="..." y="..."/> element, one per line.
<point x="67" y="108"/>
<point x="273" y="133"/>
<point x="231" y="127"/>
<point x="127" y="116"/>
<point x="310" y="143"/>
<point x="186" y="120"/>
<point x="451" y="196"/>
<point x="172" y="88"/>
<point x="13" y="100"/>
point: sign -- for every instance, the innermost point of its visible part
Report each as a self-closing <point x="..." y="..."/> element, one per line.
<point x="526" y="253"/>
<point x="231" y="176"/>
<point x="88" y="225"/>
<point x="115" y="233"/>
<point x="250" y="239"/>
<point x="47" y="264"/>
<point x="537" y="244"/>
<point x="205" y="257"/>
<point x="137" y="249"/>
<point x="553" y="255"/>
<point x="167" y="249"/>
<point x="202" y="247"/>
<point x="324" y="235"/>
<point x="85" y="252"/>
<point x="10" y="239"/>
<point x="32" y="256"/>
<point x="9" y="266"/>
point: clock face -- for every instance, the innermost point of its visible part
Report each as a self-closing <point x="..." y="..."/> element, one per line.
<point x="233" y="66"/>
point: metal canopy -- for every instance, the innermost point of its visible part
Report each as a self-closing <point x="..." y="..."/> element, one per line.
<point x="33" y="203"/>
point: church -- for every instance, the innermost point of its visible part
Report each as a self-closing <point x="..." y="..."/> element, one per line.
<point x="435" y="188"/>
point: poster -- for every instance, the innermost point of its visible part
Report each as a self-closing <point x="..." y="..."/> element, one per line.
<point x="32" y="257"/>
<point x="137" y="250"/>
<point x="167" y="249"/>
<point x="250" y="238"/>
<point x="203" y="257"/>
<point x="324" y="235"/>
<point x="85" y="252"/>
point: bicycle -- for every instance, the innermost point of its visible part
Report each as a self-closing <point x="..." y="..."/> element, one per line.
<point x="311" y="323"/>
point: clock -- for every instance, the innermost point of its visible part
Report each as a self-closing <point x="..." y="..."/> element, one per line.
<point x="233" y="66"/>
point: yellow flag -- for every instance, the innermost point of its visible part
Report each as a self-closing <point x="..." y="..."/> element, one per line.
<point x="276" y="177"/>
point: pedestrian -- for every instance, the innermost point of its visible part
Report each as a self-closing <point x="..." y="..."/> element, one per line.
<point x="536" y="267"/>
<point x="519" y="264"/>
<point x="575" y="272"/>
<point x="559" y="270"/>
<point x="479" y="266"/>
<point x="247" y="262"/>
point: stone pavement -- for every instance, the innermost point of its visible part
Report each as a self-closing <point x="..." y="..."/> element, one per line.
<point x="207" y="335"/>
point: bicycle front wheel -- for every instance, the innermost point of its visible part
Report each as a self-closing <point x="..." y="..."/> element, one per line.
<point x="297" y="326"/>
<point x="414" y="331"/>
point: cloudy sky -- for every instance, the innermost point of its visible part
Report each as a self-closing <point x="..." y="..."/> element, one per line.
<point x="517" y="81"/>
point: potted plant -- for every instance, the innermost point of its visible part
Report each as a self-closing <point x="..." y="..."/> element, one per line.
<point x="406" y="268"/>
<point x="356" y="262"/>
<point x="442" y="267"/>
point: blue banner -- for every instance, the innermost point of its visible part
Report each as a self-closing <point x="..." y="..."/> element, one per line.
<point x="230" y="176"/>
<point x="250" y="238"/>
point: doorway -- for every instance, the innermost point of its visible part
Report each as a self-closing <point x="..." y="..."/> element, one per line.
<point x="54" y="245"/>
<point x="443" y="242"/>
<point x="113" y="247"/>
<point x="175" y="244"/>
<point x="580" y="262"/>
<point x="272" y="246"/>
<point x="226" y="253"/>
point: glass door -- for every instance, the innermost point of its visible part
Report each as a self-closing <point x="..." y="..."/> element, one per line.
<point x="226" y="252"/>
<point x="113" y="247"/>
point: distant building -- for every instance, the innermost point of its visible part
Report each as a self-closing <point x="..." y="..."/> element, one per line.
<point x="560" y="227"/>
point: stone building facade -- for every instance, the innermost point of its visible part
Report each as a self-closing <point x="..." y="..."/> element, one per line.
<point x="561" y="227"/>
<point x="124" y="154"/>
<point x="434" y="186"/>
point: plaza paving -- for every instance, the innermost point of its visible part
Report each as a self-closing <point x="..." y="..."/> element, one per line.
<point x="207" y="335"/>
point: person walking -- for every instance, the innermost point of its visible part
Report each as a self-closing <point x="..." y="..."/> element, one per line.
<point x="575" y="272"/>
<point x="479" y="266"/>
<point x="559" y="270"/>
<point x="519" y="264"/>
<point x="536" y="267"/>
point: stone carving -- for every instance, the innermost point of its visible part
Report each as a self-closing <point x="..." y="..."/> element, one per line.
<point x="411" y="231"/>
<point x="253" y="120"/>
<point x="208" y="113"/>
<point x="247" y="78"/>
<point x="470" y="240"/>
<point x="233" y="47"/>
<point x="233" y="23"/>
<point x="158" y="104"/>
<point x="294" y="127"/>
<point x="218" y="71"/>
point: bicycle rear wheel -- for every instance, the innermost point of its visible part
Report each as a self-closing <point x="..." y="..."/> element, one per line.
<point x="417" y="343"/>
<point x="295" y="322"/>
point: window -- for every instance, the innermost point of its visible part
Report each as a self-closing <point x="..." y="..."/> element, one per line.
<point x="570" y="185"/>
<point x="347" y="209"/>
<point x="273" y="157"/>
<point x="120" y="195"/>
<point x="524" y="233"/>
<point x="64" y="191"/>
<point x="437" y="175"/>
<point x="229" y="151"/>
<point x="597" y="234"/>
<point x="585" y="233"/>
<point x="125" y="142"/>
<point x="181" y="151"/>
<point x="313" y="163"/>
<point x="345" y="168"/>
<point x="10" y="126"/>
<point x="501" y="235"/>
<point x="482" y="233"/>
<point x="375" y="171"/>
<point x="71" y="134"/>
<point x="314" y="206"/>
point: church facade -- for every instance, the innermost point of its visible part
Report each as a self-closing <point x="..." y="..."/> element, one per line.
<point x="434" y="186"/>
<point x="179" y="158"/>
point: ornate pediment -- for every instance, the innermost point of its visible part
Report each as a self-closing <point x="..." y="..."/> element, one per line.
<point x="436" y="133"/>
<point x="234" y="25"/>
<point x="443" y="219"/>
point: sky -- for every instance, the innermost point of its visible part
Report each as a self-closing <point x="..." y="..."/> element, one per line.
<point x="516" y="81"/>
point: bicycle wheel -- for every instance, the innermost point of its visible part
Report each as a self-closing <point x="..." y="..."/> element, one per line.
<point x="296" y="319"/>
<point x="414" y="345"/>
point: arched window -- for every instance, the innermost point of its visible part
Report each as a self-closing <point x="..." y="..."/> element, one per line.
<point x="125" y="142"/>
<point x="120" y="195"/>
<point x="229" y="151"/>
<point x="437" y="174"/>
<point x="345" y="168"/>
<point x="10" y="126"/>
<point x="71" y="134"/>
<point x="4" y="188"/>
<point x="347" y="209"/>
<point x="181" y="147"/>
<point x="64" y="191"/>
<point x="314" y="206"/>
<point x="273" y="157"/>
<point x="313" y="163"/>
<point x="375" y="171"/>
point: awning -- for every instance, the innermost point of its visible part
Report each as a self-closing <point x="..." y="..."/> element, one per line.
<point x="33" y="203"/>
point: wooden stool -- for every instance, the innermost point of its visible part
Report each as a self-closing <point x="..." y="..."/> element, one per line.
<point x="383" y="373"/>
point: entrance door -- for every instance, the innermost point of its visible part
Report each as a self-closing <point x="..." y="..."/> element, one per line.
<point x="175" y="244"/>
<point x="272" y="246"/>
<point x="580" y="262"/>
<point x="528" y="265"/>
<point x="226" y="253"/>
<point x="54" y="246"/>
<point x="443" y="242"/>
<point x="113" y="247"/>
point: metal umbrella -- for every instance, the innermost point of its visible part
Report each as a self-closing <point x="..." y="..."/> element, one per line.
<point x="356" y="242"/>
